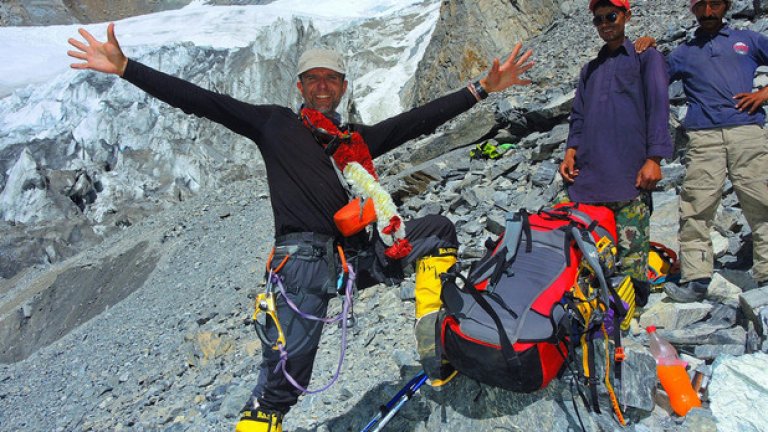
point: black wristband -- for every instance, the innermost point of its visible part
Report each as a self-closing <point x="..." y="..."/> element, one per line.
<point x="480" y="90"/>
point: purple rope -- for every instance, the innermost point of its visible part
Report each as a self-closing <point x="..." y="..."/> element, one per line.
<point x="346" y="305"/>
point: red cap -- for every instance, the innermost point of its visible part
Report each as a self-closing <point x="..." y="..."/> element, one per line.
<point x="650" y="329"/>
<point x="618" y="3"/>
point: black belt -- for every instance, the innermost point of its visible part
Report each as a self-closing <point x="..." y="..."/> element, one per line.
<point x="307" y="243"/>
<point x="312" y="238"/>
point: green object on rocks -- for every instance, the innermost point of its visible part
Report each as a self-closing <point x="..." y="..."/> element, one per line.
<point x="490" y="150"/>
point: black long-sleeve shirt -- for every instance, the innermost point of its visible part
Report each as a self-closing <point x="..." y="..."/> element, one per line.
<point x="303" y="185"/>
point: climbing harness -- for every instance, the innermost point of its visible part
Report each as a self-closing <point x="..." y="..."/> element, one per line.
<point x="388" y="410"/>
<point x="266" y="310"/>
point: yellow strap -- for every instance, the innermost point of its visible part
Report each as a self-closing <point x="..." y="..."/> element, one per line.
<point x="608" y="386"/>
<point x="584" y="355"/>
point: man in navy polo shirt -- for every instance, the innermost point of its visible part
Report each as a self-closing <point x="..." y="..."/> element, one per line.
<point x="618" y="136"/>
<point x="725" y="125"/>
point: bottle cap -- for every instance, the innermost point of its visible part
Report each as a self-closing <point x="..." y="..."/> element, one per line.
<point x="650" y="329"/>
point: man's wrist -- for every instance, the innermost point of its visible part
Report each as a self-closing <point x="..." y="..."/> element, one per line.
<point x="656" y="159"/>
<point x="477" y="90"/>
<point x="123" y="66"/>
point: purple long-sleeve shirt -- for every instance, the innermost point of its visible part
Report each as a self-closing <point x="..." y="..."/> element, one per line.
<point x="619" y="119"/>
<point x="714" y="68"/>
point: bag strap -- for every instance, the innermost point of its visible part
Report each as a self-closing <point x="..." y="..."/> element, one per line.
<point x="510" y="356"/>
<point x="589" y="252"/>
<point x="513" y="230"/>
<point x="506" y="251"/>
<point x="588" y="348"/>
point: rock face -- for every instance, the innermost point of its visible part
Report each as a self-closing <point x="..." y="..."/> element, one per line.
<point x="459" y="52"/>
<point x="149" y="329"/>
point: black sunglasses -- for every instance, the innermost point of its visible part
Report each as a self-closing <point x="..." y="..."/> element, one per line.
<point x="609" y="18"/>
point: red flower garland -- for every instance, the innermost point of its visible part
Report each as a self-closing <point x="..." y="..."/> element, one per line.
<point x="354" y="149"/>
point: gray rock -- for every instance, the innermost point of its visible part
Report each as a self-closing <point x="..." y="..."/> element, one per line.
<point x="552" y="145"/>
<point x="544" y="174"/>
<point x="723" y="315"/>
<point x="639" y="377"/>
<point x="742" y="9"/>
<point x="738" y="392"/>
<point x="710" y="352"/>
<point x="754" y="340"/>
<point x="705" y="334"/>
<point x="720" y="243"/>
<point x="505" y="165"/>
<point x="534" y="200"/>
<point x="210" y="258"/>
<point x="407" y="291"/>
<point x="728" y="219"/>
<point x="676" y="93"/>
<point x="509" y="113"/>
<point x="546" y="116"/>
<point x="673" y="316"/>
<point x="664" y="220"/>
<point x="722" y="290"/>
<point x="475" y="125"/>
<point x="700" y="420"/>
<point x="672" y="176"/>
<point x="751" y="302"/>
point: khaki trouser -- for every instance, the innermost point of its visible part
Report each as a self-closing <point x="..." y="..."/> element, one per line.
<point x="741" y="153"/>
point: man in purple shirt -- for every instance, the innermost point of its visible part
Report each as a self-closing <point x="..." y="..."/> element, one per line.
<point x="724" y="122"/>
<point x="618" y="136"/>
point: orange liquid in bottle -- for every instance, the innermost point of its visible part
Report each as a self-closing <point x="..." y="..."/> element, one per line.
<point x="674" y="379"/>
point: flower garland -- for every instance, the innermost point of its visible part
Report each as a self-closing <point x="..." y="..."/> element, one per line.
<point x="390" y="223"/>
<point x="354" y="160"/>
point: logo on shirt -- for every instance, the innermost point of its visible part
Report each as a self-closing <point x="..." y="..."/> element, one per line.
<point x="741" y="48"/>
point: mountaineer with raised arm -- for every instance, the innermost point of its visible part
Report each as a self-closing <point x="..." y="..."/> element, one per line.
<point x="313" y="162"/>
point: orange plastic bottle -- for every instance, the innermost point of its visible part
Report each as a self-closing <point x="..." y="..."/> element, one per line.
<point x="672" y="375"/>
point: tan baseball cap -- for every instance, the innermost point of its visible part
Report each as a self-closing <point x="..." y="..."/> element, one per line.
<point x="321" y="58"/>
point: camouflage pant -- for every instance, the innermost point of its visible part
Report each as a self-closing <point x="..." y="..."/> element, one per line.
<point x="633" y="220"/>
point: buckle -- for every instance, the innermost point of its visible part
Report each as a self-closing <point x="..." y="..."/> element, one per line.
<point x="619" y="355"/>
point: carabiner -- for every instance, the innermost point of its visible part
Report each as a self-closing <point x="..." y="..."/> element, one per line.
<point x="265" y="309"/>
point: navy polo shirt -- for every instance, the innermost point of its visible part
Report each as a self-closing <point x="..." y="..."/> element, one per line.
<point x="619" y="119"/>
<point x="713" y="69"/>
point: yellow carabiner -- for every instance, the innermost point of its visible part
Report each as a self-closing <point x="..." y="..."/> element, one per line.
<point x="265" y="308"/>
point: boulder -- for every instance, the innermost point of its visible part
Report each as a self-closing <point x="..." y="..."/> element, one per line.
<point x="738" y="392"/>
